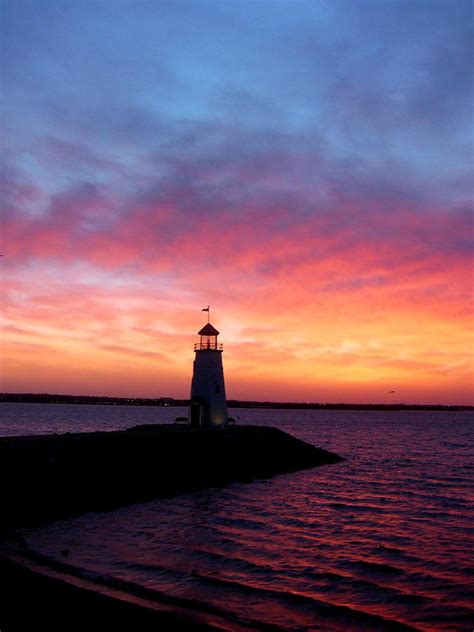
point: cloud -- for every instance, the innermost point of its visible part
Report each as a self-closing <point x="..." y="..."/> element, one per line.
<point x="309" y="181"/>
<point x="350" y="244"/>
<point x="136" y="353"/>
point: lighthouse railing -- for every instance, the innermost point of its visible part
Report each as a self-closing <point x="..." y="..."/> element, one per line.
<point x="208" y="346"/>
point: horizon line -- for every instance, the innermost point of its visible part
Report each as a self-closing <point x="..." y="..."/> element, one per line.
<point x="270" y="403"/>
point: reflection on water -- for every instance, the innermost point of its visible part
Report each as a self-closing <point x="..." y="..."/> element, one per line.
<point x="382" y="538"/>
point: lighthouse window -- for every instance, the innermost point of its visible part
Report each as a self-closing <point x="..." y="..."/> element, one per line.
<point x="218" y="388"/>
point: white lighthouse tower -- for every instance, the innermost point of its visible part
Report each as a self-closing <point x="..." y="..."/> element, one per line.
<point x="208" y="406"/>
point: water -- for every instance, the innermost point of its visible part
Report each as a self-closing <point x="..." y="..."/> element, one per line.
<point x="30" y="419"/>
<point x="384" y="538"/>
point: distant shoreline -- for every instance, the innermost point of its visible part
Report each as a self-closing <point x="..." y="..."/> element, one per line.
<point x="52" y="398"/>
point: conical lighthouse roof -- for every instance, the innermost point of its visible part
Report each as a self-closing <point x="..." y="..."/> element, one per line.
<point x="208" y="330"/>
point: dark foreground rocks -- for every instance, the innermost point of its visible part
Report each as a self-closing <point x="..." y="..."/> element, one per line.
<point x="54" y="476"/>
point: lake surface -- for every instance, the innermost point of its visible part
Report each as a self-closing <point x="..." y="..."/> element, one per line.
<point x="382" y="539"/>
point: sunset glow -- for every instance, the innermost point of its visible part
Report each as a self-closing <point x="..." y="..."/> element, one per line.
<point x="309" y="183"/>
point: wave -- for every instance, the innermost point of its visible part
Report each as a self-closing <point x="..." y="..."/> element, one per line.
<point x="234" y="561"/>
<point x="339" y="612"/>
<point x="393" y="551"/>
<point x="337" y="615"/>
<point x="375" y="567"/>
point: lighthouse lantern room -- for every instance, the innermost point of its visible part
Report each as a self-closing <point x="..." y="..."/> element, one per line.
<point x="208" y="406"/>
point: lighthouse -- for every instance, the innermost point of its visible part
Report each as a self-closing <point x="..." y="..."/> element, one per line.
<point x="208" y="406"/>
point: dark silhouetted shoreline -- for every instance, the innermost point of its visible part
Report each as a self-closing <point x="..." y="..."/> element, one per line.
<point x="52" y="398"/>
<point x="48" y="477"/>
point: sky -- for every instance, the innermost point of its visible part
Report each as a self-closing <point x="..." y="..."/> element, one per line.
<point x="303" y="167"/>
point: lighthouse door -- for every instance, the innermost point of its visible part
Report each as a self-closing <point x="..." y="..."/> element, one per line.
<point x="195" y="414"/>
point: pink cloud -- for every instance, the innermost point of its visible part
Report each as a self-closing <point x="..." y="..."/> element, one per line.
<point x="129" y="277"/>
